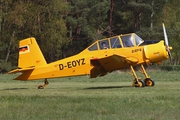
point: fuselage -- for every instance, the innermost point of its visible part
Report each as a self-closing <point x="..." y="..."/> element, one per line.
<point x="81" y="64"/>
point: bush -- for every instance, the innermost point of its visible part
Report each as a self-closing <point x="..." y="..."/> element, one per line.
<point x="171" y="67"/>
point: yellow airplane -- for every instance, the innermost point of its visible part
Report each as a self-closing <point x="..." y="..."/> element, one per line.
<point x="103" y="56"/>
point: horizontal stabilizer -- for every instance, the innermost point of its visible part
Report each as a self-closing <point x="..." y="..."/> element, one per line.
<point x="20" y="70"/>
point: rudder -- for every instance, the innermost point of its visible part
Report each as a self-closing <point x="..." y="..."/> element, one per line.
<point x="30" y="54"/>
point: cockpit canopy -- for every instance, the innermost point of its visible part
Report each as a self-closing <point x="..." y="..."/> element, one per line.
<point x="126" y="40"/>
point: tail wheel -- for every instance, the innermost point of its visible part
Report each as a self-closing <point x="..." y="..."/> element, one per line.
<point x="40" y="87"/>
<point x="149" y="82"/>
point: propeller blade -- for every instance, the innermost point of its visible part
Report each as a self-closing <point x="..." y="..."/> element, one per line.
<point x="170" y="56"/>
<point x="167" y="44"/>
<point x="165" y="35"/>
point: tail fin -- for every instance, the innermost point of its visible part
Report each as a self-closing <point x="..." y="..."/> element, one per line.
<point x="30" y="54"/>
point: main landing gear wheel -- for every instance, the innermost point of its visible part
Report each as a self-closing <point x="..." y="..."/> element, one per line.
<point x="138" y="83"/>
<point x="149" y="82"/>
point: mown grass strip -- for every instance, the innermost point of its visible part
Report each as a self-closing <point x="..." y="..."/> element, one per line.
<point x="79" y="98"/>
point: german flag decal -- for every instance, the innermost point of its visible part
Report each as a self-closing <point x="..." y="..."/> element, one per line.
<point x="24" y="49"/>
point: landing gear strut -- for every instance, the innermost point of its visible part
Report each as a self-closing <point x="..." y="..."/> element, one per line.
<point x="141" y="83"/>
<point x="45" y="84"/>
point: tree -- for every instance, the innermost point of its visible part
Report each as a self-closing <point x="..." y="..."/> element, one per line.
<point x="43" y="20"/>
<point x="86" y="22"/>
<point x="65" y="27"/>
<point x="172" y="19"/>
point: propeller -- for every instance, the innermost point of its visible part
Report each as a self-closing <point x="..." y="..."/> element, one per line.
<point x="166" y="43"/>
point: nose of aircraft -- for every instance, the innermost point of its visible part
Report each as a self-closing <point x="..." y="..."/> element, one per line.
<point x="156" y="52"/>
<point x="160" y="51"/>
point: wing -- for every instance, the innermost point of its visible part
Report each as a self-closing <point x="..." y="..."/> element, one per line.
<point x="102" y="65"/>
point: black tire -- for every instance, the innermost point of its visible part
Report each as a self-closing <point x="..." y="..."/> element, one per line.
<point x="40" y="87"/>
<point x="149" y="82"/>
<point x="141" y="83"/>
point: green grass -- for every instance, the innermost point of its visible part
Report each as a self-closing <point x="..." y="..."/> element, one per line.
<point x="79" y="98"/>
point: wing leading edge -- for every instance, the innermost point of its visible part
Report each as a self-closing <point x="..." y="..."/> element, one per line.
<point x="103" y="65"/>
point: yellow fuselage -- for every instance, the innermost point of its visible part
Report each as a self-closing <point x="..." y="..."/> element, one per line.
<point x="81" y="64"/>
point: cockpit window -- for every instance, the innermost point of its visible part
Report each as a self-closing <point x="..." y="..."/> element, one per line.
<point x="127" y="40"/>
<point x="115" y="42"/>
<point x="104" y="44"/>
<point x="138" y="39"/>
<point x="93" y="47"/>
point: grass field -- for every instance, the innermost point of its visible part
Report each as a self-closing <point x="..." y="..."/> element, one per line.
<point x="80" y="98"/>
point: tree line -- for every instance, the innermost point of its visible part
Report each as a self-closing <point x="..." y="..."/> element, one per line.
<point x="65" y="27"/>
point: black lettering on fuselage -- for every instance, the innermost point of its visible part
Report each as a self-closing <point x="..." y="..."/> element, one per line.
<point x="72" y="64"/>
<point x="136" y="50"/>
<point x="69" y="65"/>
<point x="78" y="62"/>
<point x="61" y="66"/>
<point x="83" y="61"/>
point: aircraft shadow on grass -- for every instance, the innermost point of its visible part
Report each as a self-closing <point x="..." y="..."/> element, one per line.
<point x="107" y="87"/>
<point x="15" y="88"/>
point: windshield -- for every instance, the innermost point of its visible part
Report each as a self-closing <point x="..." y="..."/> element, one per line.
<point x="131" y="40"/>
<point x="138" y="40"/>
